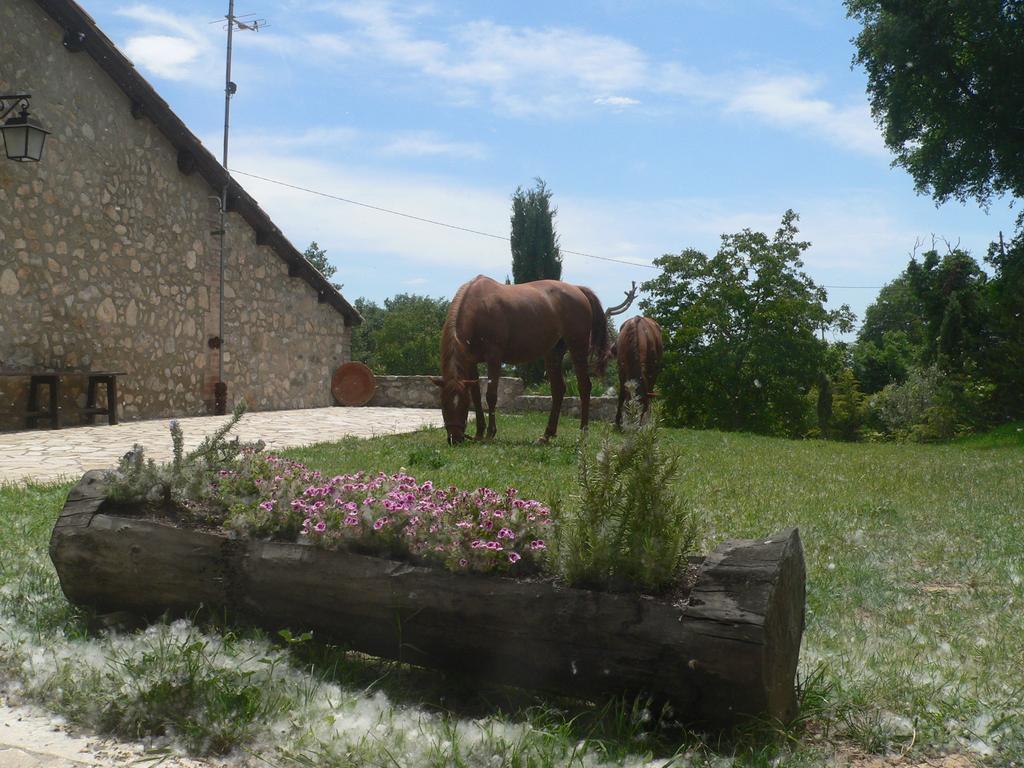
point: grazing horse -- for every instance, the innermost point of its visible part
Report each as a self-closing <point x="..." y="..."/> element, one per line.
<point x="638" y="350"/>
<point x="493" y="323"/>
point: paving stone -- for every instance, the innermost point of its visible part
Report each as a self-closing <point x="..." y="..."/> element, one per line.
<point x="46" y="455"/>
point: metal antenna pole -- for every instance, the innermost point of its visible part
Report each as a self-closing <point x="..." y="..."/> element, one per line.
<point x="220" y="388"/>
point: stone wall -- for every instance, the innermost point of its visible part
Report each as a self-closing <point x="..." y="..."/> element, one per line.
<point x="421" y="392"/>
<point x="601" y="408"/>
<point x="107" y="261"/>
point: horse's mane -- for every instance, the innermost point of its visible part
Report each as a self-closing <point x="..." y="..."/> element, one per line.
<point x="451" y="345"/>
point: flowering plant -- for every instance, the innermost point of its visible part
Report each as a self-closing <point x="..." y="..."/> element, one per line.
<point x="478" y="531"/>
<point x="237" y="486"/>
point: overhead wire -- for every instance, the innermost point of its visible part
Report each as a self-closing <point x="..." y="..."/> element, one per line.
<point x="435" y="222"/>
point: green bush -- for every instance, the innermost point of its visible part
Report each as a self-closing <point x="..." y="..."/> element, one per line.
<point x="931" y="405"/>
<point x="184" y="484"/>
<point x="848" y="408"/>
<point x="625" y="528"/>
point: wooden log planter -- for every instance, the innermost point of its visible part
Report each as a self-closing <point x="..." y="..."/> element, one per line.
<point x="729" y="652"/>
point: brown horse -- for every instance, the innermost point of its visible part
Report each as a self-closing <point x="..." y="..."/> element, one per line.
<point x="492" y="323"/>
<point x="638" y="350"/>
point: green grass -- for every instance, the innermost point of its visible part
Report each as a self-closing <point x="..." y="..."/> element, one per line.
<point x="1005" y="436"/>
<point x="914" y="639"/>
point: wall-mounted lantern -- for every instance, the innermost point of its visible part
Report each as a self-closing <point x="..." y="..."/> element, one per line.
<point x="23" y="136"/>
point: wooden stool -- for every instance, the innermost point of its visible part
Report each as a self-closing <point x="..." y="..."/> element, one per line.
<point x="91" y="411"/>
<point x="51" y="380"/>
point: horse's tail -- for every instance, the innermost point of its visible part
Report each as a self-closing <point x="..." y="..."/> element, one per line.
<point x="599" y="347"/>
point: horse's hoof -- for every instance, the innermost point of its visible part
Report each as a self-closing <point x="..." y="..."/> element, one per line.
<point x="542" y="440"/>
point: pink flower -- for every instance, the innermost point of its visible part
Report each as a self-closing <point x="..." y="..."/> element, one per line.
<point x="494" y="545"/>
<point x="478" y="544"/>
<point x="320" y="527"/>
<point x="268" y="506"/>
<point x="380" y="523"/>
<point x="351" y="520"/>
<point x="538" y="544"/>
<point x="514" y="557"/>
<point x="506" y="533"/>
<point x="463" y="563"/>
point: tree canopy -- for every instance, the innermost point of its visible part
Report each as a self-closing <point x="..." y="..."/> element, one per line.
<point x="401" y="338"/>
<point x="943" y="82"/>
<point x="743" y="332"/>
<point x="317" y="256"/>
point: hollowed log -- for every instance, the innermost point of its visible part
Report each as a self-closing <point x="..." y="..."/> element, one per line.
<point x="729" y="652"/>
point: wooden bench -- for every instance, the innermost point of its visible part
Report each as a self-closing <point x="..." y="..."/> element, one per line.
<point x="51" y="380"/>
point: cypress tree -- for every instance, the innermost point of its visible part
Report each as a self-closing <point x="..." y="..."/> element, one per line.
<point x="535" y="254"/>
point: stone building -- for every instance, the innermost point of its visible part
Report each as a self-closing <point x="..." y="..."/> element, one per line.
<point x="109" y="256"/>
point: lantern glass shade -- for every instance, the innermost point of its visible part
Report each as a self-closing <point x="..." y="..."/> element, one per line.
<point x="24" y="139"/>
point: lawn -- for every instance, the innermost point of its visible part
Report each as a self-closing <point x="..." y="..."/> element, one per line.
<point x="914" y="640"/>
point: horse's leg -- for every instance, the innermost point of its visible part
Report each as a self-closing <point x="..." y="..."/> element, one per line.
<point x="622" y="399"/>
<point x="553" y="364"/>
<point x="493" y="374"/>
<point x="579" y="363"/>
<point x="645" y="398"/>
<point x="474" y="391"/>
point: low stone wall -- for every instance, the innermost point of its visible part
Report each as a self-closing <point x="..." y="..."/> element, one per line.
<point x="601" y="408"/>
<point x="421" y="392"/>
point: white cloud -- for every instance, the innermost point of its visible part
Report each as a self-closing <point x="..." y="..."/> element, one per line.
<point x="551" y="72"/>
<point x="616" y="101"/>
<point x="167" y="56"/>
<point x="790" y="102"/>
<point x="555" y="72"/>
<point x="173" y="47"/>
<point x="428" y="144"/>
<point x="289" y="140"/>
<point x="485" y="60"/>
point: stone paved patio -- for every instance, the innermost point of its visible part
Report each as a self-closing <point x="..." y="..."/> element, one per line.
<point x="44" y="455"/>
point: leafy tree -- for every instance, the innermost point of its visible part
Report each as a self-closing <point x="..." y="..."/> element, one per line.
<point x="951" y="291"/>
<point x="535" y="254"/>
<point x="892" y="338"/>
<point x="886" y="362"/>
<point x="742" y="332"/>
<point x="942" y="83"/>
<point x="895" y="309"/>
<point x="317" y="256"/>
<point x="1004" y="360"/>
<point x="365" y="335"/>
<point x="409" y="339"/>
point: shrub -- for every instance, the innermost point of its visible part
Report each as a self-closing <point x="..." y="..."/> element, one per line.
<point x="848" y="408"/>
<point x="931" y="405"/>
<point x="625" y="528"/>
<point x="184" y="483"/>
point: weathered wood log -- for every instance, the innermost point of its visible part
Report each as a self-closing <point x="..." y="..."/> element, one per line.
<point x="730" y="651"/>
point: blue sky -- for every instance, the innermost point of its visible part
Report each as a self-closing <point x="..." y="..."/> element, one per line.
<point x="658" y="124"/>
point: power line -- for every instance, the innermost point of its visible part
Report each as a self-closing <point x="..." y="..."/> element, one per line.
<point x="477" y="231"/>
<point x="427" y="221"/>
